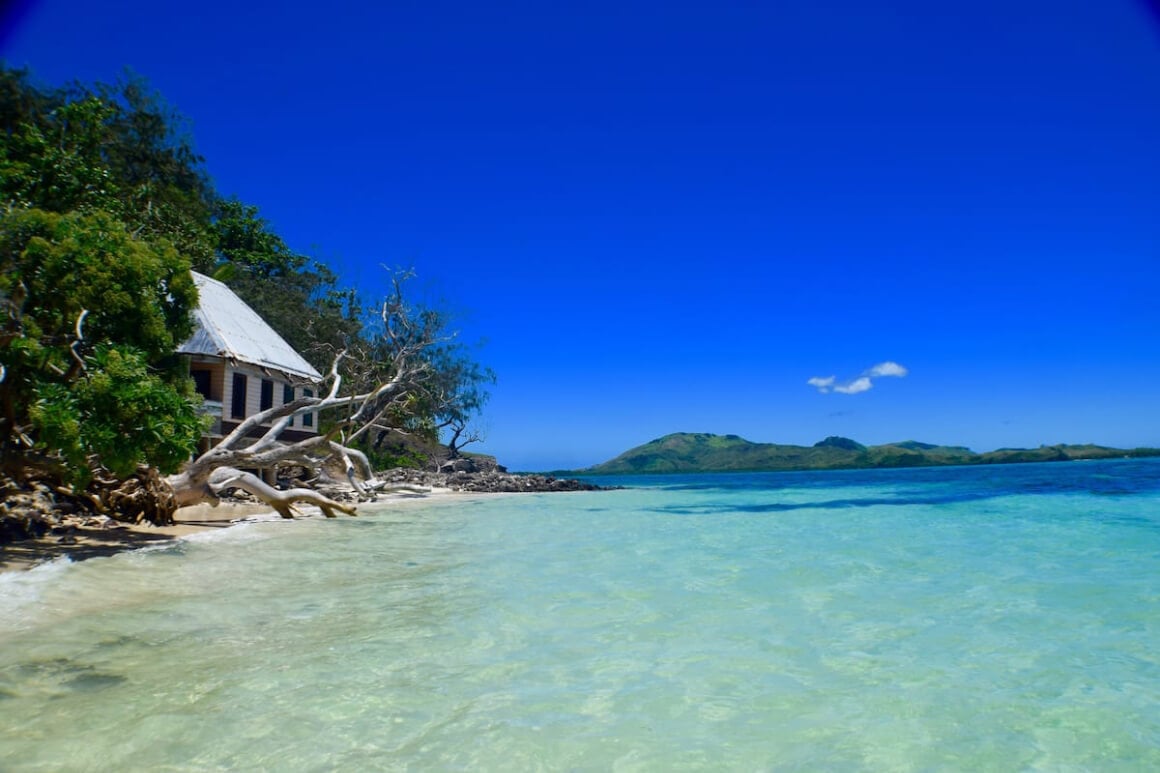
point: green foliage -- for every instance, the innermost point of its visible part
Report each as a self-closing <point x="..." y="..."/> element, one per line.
<point x="105" y="208"/>
<point x="119" y="412"/>
<point x="688" y="452"/>
<point x="834" y="441"/>
<point x="297" y="297"/>
<point x="244" y="239"/>
<point x="21" y="103"/>
<point x="114" y="148"/>
<point x="896" y="456"/>
<point x="460" y="381"/>
<point x="1041" y="454"/>
<point x="104" y="202"/>
<point x="137" y="293"/>
<point x="56" y="163"/>
<point x="399" y="454"/>
<point x="105" y="392"/>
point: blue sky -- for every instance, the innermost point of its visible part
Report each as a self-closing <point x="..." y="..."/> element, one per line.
<point x="672" y="216"/>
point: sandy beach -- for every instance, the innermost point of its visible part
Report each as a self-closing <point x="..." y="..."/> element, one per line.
<point x="95" y="541"/>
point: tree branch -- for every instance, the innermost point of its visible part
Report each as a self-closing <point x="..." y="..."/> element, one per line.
<point x="282" y="501"/>
<point x="78" y="365"/>
<point x="395" y="373"/>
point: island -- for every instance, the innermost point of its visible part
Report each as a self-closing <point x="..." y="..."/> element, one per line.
<point x="689" y="452"/>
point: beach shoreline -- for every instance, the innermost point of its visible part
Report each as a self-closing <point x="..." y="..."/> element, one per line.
<point x="83" y="536"/>
<point x="95" y="540"/>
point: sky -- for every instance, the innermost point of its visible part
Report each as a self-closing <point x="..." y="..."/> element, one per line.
<point x="782" y="220"/>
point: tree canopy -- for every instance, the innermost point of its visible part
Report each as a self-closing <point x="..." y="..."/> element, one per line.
<point x="101" y="210"/>
<point x="105" y="207"/>
<point x="297" y="296"/>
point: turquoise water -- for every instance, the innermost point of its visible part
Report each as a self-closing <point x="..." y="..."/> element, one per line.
<point x="1002" y="618"/>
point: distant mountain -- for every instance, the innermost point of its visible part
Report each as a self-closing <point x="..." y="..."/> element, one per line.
<point x="704" y="452"/>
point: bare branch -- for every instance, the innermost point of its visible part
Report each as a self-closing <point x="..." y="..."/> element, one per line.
<point x="282" y="501"/>
<point x="305" y="405"/>
<point x="335" y="376"/>
<point x="78" y="365"/>
<point x="389" y="376"/>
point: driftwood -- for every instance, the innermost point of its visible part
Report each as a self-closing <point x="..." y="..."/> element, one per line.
<point x="255" y="443"/>
<point x="283" y="501"/>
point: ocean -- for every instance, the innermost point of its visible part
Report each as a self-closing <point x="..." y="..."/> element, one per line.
<point x="973" y="618"/>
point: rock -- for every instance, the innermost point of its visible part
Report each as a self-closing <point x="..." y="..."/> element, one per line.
<point x="458" y="466"/>
<point x="65" y="507"/>
<point x="33" y="525"/>
<point x="493" y="479"/>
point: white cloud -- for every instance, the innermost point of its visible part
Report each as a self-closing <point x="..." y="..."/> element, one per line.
<point x="828" y="384"/>
<point x="823" y="384"/>
<point x="887" y="368"/>
<point x="855" y="386"/>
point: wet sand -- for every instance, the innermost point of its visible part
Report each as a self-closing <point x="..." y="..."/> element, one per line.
<point x="95" y="540"/>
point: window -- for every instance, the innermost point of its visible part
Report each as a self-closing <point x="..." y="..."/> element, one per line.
<point x="288" y="397"/>
<point x="201" y="382"/>
<point x="238" y="400"/>
<point x="308" y="418"/>
<point x="267" y="395"/>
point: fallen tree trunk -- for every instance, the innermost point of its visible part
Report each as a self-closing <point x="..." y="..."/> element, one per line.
<point x="281" y="500"/>
<point x="396" y="372"/>
<point x="205" y="477"/>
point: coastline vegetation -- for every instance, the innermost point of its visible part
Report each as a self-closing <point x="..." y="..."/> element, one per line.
<point x="105" y="208"/>
<point x="703" y="452"/>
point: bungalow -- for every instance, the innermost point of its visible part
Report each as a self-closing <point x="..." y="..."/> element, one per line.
<point x="241" y="366"/>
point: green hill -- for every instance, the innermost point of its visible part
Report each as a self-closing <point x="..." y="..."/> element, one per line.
<point x="704" y="452"/>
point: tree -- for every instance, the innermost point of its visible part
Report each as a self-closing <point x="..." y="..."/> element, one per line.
<point x="89" y="319"/>
<point x="56" y="163"/>
<point x="161" y="181"/>
<point x="459" y="394"/>
<point x="455" y="394"/>
<point x="393" y="370"/>
<point x="454" y="390"/>
<point x="101" y="203"/>
<point x="298" y="297"/>
<point x="104" y="208"/>
<point x="115" y="148"/>
<point x="21" y="103"/>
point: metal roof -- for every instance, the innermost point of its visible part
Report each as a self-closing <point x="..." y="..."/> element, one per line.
<point x="227" y="327"/>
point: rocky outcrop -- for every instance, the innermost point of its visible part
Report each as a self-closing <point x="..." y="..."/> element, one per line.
<point x="488" y="481"/>
<point x="25" y="511"/>
<point x="475" y="474"/>
<point x="472" y="463"/>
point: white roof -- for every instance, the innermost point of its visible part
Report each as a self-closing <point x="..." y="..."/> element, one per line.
<point x="227" y="327"/>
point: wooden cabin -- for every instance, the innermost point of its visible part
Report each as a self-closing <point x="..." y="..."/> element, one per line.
<point x="241" y="366"/>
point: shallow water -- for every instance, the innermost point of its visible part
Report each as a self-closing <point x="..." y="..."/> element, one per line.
<point x="970" y="618"/>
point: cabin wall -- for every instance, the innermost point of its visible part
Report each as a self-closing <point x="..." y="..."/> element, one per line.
<point x="298" y="429"/>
